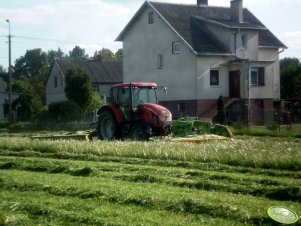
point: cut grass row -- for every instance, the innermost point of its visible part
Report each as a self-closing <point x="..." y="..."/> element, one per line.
<point x="254" y="153"/>
<point x="274" y="188"/>
<point x="150" y="196"/>
<point x="128" y="183"/>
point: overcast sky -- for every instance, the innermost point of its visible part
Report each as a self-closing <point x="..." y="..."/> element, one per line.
<point x="94" y="24"/>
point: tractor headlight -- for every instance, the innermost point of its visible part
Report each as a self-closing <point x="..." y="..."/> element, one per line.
<point x="165" y="118"/>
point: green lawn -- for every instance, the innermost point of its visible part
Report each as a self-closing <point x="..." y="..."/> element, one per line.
<point x="154" y="183"/>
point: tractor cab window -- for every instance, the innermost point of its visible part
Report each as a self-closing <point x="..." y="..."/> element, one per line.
<point x="144" y="95"/>
<point x="124" y="96"/>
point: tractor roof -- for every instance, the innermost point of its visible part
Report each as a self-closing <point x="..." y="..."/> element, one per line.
<point x="137" y="84"/>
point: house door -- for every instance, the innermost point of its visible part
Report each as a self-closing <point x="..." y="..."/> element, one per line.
<point x="234" y="84"/>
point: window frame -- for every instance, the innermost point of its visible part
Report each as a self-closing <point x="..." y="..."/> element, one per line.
<point x="55" y="82"/>
<point x="244" y="41"/>
<point x="151" y="17"/>
<point x="95" y="89"/>
<point x="218" y="78"/>
<point x="260" y="76"/>
<point x="160" y="61"/>
<point x="182" y="107"/>
<point x="176" y="48"/>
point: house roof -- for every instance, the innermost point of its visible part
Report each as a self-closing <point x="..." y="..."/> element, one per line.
<point x="99" y="71"/>
<point x="189" y="22"/>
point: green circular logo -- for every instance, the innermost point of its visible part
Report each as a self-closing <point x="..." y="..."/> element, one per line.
<point x="282" y="215"/>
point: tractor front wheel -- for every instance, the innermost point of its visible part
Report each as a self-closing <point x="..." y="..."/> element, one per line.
<point x="106" y="126"/>
<point x="140" y="132"/>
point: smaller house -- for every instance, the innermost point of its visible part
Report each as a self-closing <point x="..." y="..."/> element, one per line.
<point x="4" y="101"/>
<point x="3" y="97"/>
<point x="103" y="75"/>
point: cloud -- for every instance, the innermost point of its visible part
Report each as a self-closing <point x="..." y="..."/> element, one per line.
<point x="31" y="16"/>
<point x="293" y="35"/>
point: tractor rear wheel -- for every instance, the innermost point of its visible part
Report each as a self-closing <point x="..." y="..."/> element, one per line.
<point x="106" y="126"/>
<point x="140" y="132"/>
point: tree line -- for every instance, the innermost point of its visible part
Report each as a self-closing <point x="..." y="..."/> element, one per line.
<point x="30" y="73"/>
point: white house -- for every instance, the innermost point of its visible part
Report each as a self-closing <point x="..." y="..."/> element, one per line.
<point x="103" y="75"/>
<point x="201" y="52"/>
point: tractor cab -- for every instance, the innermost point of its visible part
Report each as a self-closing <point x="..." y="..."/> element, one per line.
<point x="131" y="93"/>
<point x="130" y="96"/>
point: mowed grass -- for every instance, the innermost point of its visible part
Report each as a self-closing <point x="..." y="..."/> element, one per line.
<point x="155" y="183"/>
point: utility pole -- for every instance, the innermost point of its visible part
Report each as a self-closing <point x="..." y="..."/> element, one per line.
<point x="10" y="112"/>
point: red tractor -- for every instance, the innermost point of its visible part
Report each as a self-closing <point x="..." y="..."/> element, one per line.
<point x="133" y="112"/>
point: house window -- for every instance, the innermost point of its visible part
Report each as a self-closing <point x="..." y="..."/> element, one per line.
<point x="96" y="89"/>
<point x="55" y="82"/>
<point x="160" y="61"/>
<point x="181" y="107"/>
<point x="214" y="77"/>
<point x="244" y="41"/>
<point x="150" y="18"/>
<point x="175" y="47"/>
<point x="257" y="76"/>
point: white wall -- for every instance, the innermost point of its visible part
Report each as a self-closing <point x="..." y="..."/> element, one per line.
<point x="141" y="47"/>
<point x="233" y="39"/>
<point x="272" y="75"/>
<point x="251" y="52"/>
<point x="186" y="75"/>
<point x="204" y="64"/>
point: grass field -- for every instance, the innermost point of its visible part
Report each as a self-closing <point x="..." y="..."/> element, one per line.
<point x="154" y="183"/>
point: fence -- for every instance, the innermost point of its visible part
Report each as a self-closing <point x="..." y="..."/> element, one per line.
<point x="259" y="116"/>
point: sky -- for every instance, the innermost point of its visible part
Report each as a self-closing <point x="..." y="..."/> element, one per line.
<point x="95" y="24"/>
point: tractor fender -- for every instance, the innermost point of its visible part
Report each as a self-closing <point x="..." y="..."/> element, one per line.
<point x="114" y="110"/>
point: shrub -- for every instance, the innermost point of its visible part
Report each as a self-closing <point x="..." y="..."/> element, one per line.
<point x="64" y="111"/>
<point x="220" y="118"/>
<point x="273" y="125"/>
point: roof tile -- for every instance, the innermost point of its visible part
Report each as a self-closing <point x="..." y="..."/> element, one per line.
<point x="180" y="17"/>
<point x="99" y="71"/>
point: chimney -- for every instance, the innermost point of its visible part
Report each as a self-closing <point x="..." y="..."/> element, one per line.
<point x="202" y="2"/>
<point x="237" y="11"/>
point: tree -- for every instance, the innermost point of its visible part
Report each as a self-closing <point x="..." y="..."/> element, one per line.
<point x="119" y="54"/>
<point x="104" y="54"/>
<point x="3" y="73"/>
<point x="52" y="54"/>
<point x="290" y="76"/>
<point x="64" y="111"/>
<point x="30" y="64"/>
<point x="78" y="53"/>
<point x="79" y="87"/>
<point x="28" y="104"/>
<point x="39" y="81"/>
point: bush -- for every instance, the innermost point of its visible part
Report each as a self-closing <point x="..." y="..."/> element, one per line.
<point x="220" y="118"/>
<point x="273" y="125"/>
<point x="239" y="125"/>
<point x="64" y="111"/>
